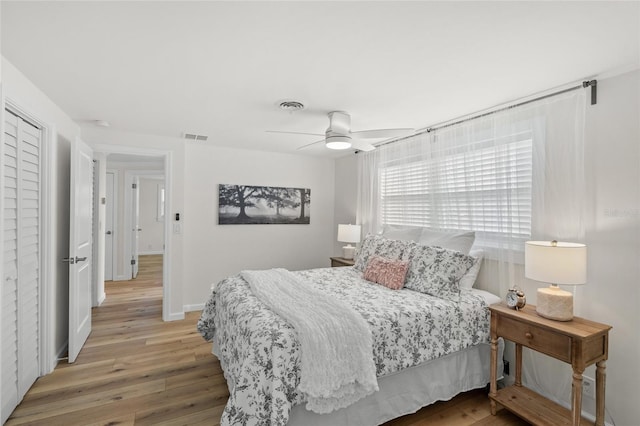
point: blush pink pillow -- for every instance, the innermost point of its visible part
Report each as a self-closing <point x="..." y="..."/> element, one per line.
<point x="389" y="273"/>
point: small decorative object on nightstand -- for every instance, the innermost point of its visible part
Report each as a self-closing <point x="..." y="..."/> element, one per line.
<point x="578" y="342"/>
<point x="515" y="298"/>
<point x="341" y="261"/>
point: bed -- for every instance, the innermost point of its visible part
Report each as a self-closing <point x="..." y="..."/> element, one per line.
<point x="424" y="347"/>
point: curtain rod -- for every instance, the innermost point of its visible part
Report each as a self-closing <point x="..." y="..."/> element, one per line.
<point x="589" y="83"/>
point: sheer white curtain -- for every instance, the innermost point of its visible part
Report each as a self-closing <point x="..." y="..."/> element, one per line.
<point x="511" y="176"/>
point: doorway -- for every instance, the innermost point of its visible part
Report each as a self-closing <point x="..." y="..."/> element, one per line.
<point x="109" y="238"/>
<point x="128" y="166"/>
<point x="144" y="227"/>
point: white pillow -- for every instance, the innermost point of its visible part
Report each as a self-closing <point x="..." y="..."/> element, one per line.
<point x="400" y="232"/>
<point x="452" y="240"/>
<point x="469" y="279"/>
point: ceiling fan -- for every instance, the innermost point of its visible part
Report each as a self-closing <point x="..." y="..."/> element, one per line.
<point x="339" y="135"/>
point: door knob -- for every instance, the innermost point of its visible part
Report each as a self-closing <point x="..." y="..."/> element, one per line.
<point x="72" y="260"/>
<point x="108" y="232"/>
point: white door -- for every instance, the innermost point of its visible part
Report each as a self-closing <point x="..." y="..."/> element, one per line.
<point x="20" y="334"/>
<point x="135" y="231"/>
<point x="80" y="246"/>
<point x="109" y="229"/>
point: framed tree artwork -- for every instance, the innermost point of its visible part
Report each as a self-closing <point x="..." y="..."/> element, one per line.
<point x="244" y="204"/>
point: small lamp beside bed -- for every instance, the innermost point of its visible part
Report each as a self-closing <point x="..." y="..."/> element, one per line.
<point x="555" y="263"/>
<point x="349" y="234"/>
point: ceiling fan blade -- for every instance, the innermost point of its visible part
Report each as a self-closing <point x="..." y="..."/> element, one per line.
<point x="294" y="133"/>
<point x="309" y="144"/>
<point x="361" y="146"/>
<point x="382" y="133"/>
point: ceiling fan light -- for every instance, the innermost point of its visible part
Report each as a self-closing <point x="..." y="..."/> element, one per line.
<point x="338" y="142"/>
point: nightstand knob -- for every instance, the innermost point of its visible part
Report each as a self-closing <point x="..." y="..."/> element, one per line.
<point x="528" y="335"/>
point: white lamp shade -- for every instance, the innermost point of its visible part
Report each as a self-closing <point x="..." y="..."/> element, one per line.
<point x="349" y="233"/>
<point x="555" y="262"/>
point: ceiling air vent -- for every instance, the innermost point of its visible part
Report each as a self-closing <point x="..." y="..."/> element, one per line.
<point x="291" y="105"/>
<point x="194" y="137"/>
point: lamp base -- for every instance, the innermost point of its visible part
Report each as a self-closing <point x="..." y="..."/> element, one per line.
<point x="554" y="303"/>
<point x="348" y="251"/>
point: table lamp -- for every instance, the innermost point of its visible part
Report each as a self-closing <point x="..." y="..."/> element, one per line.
<point x="555" y="263"/>
<point x="348" y="234"/>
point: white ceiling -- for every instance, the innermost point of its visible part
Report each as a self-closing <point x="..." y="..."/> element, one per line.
<point x="220" y="68"/>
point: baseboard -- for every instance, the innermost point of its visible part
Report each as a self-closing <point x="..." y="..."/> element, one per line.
<point x="101" y="298"/>
<point x="143" y="253"/>
<point x="176" y="316"/>
<point x="191" y="308"/>
<point x="122" y="278"/>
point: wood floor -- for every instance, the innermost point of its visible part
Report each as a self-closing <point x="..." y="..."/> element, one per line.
<point x="136" y="369"/>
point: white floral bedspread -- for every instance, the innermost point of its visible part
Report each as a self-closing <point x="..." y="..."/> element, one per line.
<point x="260" y="355"/>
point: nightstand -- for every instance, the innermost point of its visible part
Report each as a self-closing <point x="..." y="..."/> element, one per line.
<point x="578" y="342"/>
<point x="341" y="261"/>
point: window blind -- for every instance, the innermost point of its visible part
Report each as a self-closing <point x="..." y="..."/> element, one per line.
<point x="487" y="188"/>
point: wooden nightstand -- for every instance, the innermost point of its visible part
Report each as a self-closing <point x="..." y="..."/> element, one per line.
<point x="578" y="342"/>
<point x="341" y="261"/>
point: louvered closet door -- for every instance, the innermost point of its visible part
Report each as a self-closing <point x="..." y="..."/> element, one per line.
<point x="20" y="299"/>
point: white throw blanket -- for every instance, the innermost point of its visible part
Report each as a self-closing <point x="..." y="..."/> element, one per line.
<point x="337" y="367"/>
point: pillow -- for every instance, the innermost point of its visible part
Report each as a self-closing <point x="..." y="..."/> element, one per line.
<point x="389" y="273"/>
<point x="469" y="279"/>
<point x="437" y="271"/>
<point x="390" y="249"/>
<point x="399" y="232"/>
<point x="452" y="240"/>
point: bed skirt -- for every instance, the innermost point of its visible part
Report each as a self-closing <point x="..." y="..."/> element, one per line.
<point x="409" y="390"/>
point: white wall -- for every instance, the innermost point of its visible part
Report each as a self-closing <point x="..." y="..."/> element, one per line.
<point x="21" y="92"/>
<point x="612" y="294"/>
<point x="151" y="238"/>
<point x="216" y="251"/>
<point x="346" y="190"/>
<point x="204" y="252"/>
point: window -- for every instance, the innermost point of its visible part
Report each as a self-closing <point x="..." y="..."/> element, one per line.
<point x="484" y="186"/>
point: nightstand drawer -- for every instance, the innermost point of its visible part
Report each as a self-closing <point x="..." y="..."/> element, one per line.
<point x="341" y="261"/>
<point x="536" y="338"/>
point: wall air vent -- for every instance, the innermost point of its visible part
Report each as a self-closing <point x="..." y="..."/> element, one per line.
<point x="194" y="137"/>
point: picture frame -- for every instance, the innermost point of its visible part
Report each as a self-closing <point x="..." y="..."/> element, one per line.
<point x="263" y="205"/>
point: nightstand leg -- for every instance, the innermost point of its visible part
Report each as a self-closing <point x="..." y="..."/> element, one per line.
<point x="601" y="376"/>
<point x="493" y="384"/>
<point x="518" y="381"/>
<point x="576" y="391"/>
